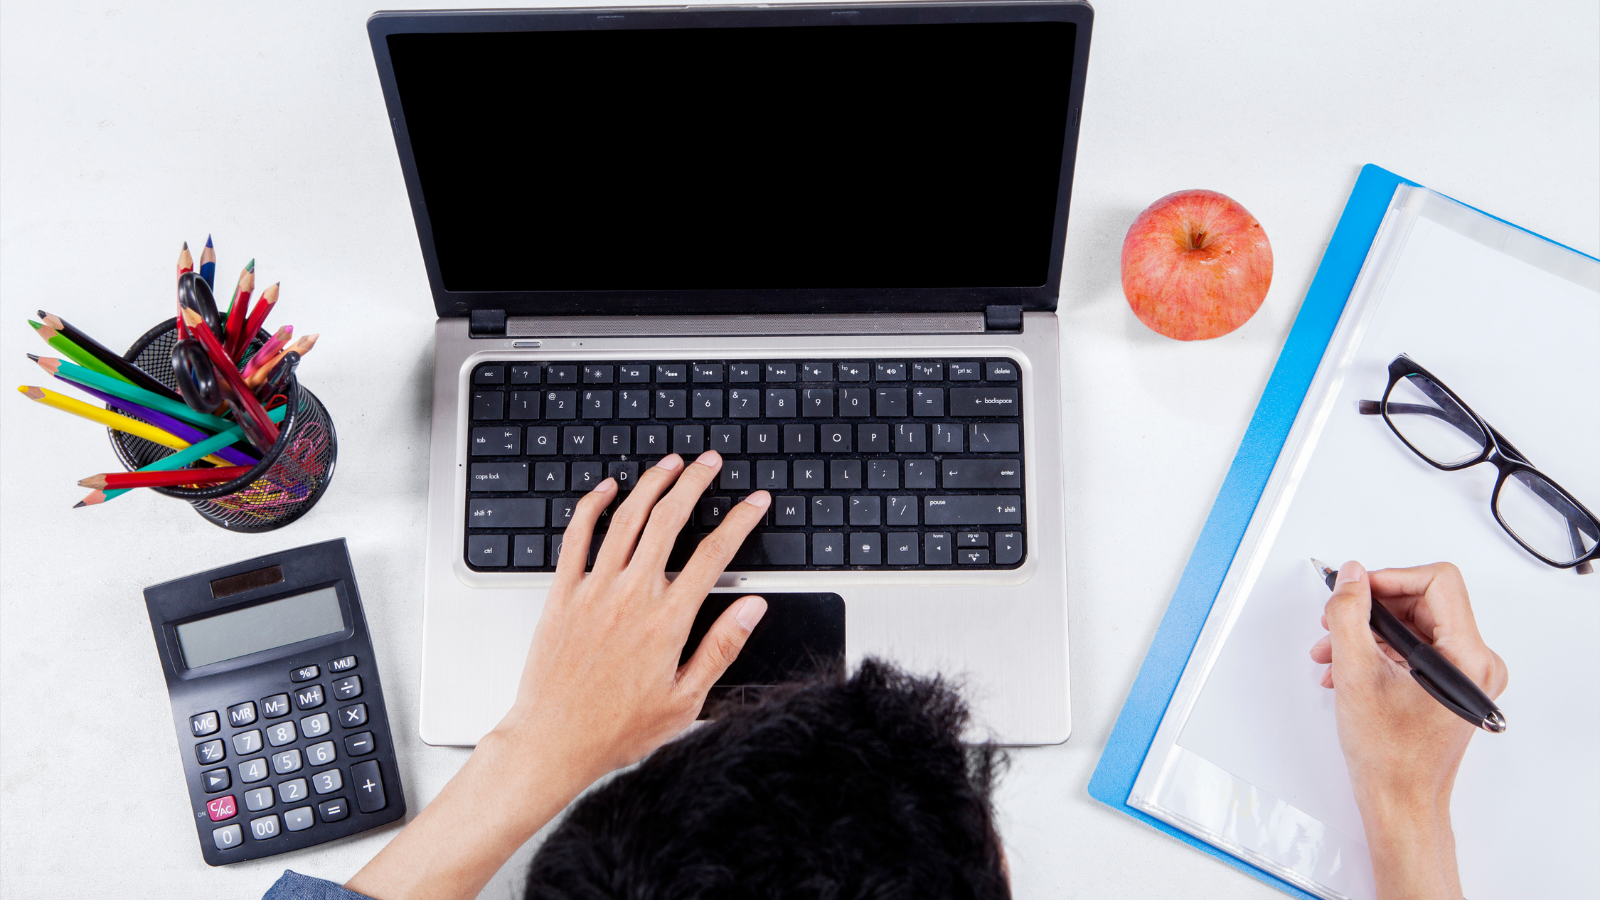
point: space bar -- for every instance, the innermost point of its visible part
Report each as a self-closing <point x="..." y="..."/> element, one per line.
<point x="978" y="509"/>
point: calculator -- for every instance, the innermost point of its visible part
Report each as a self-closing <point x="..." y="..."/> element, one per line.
<point x="276" y="700"/>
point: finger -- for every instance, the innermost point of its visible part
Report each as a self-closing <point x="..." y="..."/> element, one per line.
<point x="1349" y="611"/>
<point x="721" y="645"/>
<point x="716" y="550"/>
<point x="668" y="517"/>
<point x="1430" y="597"/>
<point x="580" y="531"/>
<point x="1322" y="651"/>
<point x="629" y="519"/>
<point x="1327" y="677"/>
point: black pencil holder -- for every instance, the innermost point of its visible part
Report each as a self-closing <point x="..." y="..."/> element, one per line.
<point x="287" y="482"/>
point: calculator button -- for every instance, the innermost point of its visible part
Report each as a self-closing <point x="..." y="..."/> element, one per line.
<point x="242" y="715"/>
<point x="227" y="837"/>
<point x="253" y="770"/>
<point x="316" y="726"/>
<point x="258" y="799"/>
<point x="333" y="810"/>
<point x="204" y="724"/>
<point x="275" y="706"/>
<point x="342" y="664"/>
<point x="298" y="819"/>
<point x="209" y="752"/>
<point x="264" y="827"/>
<point x="359" y="744"/>
<point x="347" y="688"/>
<point x="286" y="762"/>
<point x="327" y="782"/>
<point x="321" y="754"/>
<point x="368" y="782"/>
<point x="304" y="673"/>
<point x="216" y="780"/>
<point x="290" y="791"/>
<point x="353" y="715"/>
<point x="309" y="698"/>
<point x="247" y="742"/>
<point x="222" y="808"/>
<point x="280" y="734"/>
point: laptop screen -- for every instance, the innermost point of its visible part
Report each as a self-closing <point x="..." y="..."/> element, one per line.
<point x="682" y="159"/>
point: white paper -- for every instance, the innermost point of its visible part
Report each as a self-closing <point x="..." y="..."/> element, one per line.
<point x="1522" y="347"/>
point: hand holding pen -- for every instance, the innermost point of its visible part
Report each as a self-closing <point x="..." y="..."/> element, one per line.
<point x="1403" y="746"/>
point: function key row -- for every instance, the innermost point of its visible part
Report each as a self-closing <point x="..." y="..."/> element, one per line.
<point x="738" y="373"/>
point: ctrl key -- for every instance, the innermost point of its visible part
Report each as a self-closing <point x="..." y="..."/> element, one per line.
<point x="367" y="779"/>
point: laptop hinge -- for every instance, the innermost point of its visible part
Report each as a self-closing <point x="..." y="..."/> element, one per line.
<point x="487" y="323"/>
<point x="1002" y="318"/>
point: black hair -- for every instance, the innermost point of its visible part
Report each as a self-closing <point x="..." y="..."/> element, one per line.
<point x="828" y="790"/>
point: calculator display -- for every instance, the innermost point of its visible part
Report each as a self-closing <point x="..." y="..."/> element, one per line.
<point x="261" y="627"/>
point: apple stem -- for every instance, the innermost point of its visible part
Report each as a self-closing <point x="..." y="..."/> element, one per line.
<point x="1197" y="241"/>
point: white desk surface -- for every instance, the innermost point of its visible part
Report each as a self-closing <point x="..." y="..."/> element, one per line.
<point x="124" y="131"/>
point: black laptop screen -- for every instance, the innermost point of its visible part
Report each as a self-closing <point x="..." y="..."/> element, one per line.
<point x="883" y="156"/>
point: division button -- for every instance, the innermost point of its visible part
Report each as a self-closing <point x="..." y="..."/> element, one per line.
<point x="204" y="724"/>
<point x="367" y="780"/>
<point x="347" y="688"/>
<point x="227" y="837"/>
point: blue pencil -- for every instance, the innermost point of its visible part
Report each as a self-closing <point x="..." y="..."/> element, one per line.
<point x="208" y="265"/>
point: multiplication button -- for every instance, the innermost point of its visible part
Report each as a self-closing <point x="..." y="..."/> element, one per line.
<point x="353" y="716"/>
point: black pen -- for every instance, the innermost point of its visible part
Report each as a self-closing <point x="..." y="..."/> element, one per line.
<point x="1437" y="675"/>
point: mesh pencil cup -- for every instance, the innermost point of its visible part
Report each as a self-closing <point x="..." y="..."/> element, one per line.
<point x="287" y="482"/>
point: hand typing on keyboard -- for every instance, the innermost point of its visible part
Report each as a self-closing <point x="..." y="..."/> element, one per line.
<point x="601" y="687"/>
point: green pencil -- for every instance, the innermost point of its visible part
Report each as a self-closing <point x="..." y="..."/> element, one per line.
<point x="72" y="351"/>
<point x="131" y="393"/>
<point x="183" y="457"/>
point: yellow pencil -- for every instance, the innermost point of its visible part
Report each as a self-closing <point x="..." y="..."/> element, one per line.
<point x="110" y="419"/>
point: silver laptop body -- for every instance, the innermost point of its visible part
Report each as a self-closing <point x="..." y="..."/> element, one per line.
<point x="1001" y="632"/>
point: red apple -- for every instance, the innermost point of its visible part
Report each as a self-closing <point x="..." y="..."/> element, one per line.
<point x="1195" y="265"/>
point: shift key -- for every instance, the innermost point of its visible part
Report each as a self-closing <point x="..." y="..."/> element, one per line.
<point x="511" y="476"/>
<point x="506" y="513"/>
<point x="973" y="509"/>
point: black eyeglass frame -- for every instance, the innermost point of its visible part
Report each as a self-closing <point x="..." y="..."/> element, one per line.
<point x="1497" y="450"/>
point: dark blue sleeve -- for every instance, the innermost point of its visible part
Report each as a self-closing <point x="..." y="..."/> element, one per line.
<point x="294" y="886"/>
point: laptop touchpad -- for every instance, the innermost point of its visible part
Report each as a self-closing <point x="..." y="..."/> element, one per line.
<point x="801" y="635"/>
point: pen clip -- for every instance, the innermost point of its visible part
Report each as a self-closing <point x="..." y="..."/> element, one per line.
<point x="1447" y="703"/>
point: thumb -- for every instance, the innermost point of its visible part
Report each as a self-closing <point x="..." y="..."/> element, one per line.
<point x="1349" y="614"/>
<point x="721" y="645"/>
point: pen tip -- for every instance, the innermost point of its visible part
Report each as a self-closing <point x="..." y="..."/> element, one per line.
<point x="1495" y="722"/>
<point x="1319" y="565"/>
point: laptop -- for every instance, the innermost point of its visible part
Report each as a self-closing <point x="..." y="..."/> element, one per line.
<point x="824" y="240"/>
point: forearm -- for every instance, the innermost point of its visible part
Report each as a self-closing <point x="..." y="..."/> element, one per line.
<point x="506" y="792"/>
<point x="1413" y="850"/>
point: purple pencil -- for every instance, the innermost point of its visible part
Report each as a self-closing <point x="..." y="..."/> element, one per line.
<point x="167" y="423"/>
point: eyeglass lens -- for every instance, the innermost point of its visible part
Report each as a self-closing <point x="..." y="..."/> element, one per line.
<point x="1544" y="519"/>
<point x="1432" y="422"/>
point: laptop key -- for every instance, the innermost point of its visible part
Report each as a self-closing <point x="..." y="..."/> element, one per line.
<point x="827" y="549"/>
<point x="496" y="441"/>
<point x="772" y="549"/>
<point x="789" y="511"/>
<point x="808" y="475"/>
<point x="866" y="548"/>
<point x="927" y="371"/>
<point x="672" y="373"/>
<point x="525" y="374"/>
<point x="707" y="373"/>
<point x="781" y="404"/>
<point x="983" y="402"/>
<point x="850" y="371"/>
<point x="855" y="402"/>
<point x="725" y="439"/>
<point x="744" y="373"/>
<point x="818" y="403"/>
<point x="891" y="403"/>
<point x="815" y="371"/>
<point x="827" y="510"/>
<point x="634" y="404"/>
<point x="489" y="375"/>
<point x="506" y="476"/>
<point x="780" y="371"/>
<point x="891" y="371"/>
<point x="902" y="548"/>
<point x="936" y="548"/>
<point x="597" y="404"/>
<point x="598" y="374"/>
<point x="626" y="473"/>
<point x="972" y="509"/>
<point x="1000" y="371"/>
<point x="744" y="403"/>
<point x="651" y="439"/>
<point x="866" y="510"/>
<point x="561" y="374"/>
<point x="672" y="404"/>
<point x="761" y="439"/>
<point x="543" y="440"/>
<point x="524" y="405"/>
<point x="996" y="437"/>
<point x="707" y="404"/>
<point x="689" y="440"/>
<point x="488" y="405"/>
<point x="549" y="476"/>
<point x="964" y="371"/>
<point x="633" y="374"/>
<point x="561" y="404"/>
<point x="799" y="439"/>
<point x="903" y="510"/>
<point x="968" y="474"/>
<point x="1007" y="547"/>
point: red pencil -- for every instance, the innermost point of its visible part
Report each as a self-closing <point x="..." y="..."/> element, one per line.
<point x="117" y="481"/>
<point x="239" y="308"/>
<point x="269" y="297"/>
<point x="226" y="368"/>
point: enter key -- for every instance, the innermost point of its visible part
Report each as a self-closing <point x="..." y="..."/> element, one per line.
<point x="962" y="474"/>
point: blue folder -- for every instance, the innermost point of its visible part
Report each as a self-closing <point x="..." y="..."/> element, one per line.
<point x="1236" y="503"/>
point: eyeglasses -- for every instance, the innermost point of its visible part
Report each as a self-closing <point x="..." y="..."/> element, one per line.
<point x="1430" y="419"/>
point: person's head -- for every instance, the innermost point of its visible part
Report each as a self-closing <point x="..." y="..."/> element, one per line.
<point x="845" y="790"/>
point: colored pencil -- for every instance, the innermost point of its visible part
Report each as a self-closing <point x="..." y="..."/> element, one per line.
<point x="80" y="375"/>
<point x="193" y="435"/>
<point x="72" y="351"/>
<point x="252" y="323"/>
<point x="301" y="345"/>
<point x="175" y="478"/>
<point x="238" y="310"/>
<point x="107" y="418"/>
<point x="208" y="264"/>
<point x="185" y="264"/>
<point x="182" y="458"/>
<point x="226" y="368"/>
<point x="121" y="367"/>
<point x="268" y="350"/>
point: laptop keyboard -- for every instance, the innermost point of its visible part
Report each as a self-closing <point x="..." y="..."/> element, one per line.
<point x="872" y="464"/>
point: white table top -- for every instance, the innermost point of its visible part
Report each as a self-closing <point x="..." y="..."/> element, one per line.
<point x="123" y="132"/>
